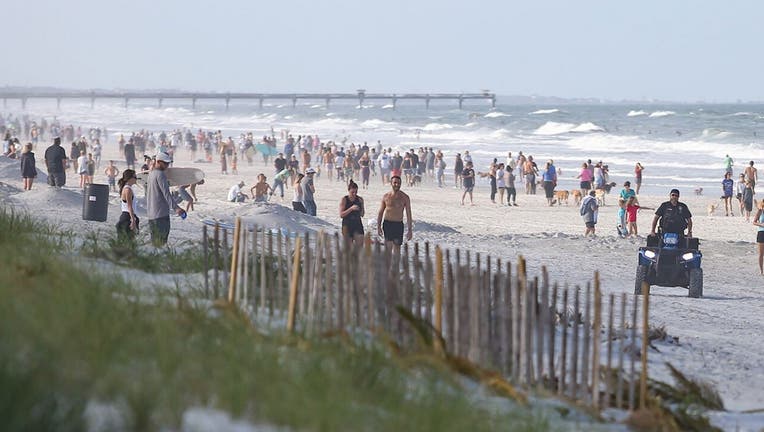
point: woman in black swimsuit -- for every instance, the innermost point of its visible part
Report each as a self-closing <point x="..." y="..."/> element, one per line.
<point x="351" y="212"/>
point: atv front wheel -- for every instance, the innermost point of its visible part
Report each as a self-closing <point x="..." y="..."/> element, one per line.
<point x="696" y="283"/>
<point x="641" y="277"/>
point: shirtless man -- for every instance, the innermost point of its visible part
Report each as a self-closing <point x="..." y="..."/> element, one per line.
<point x="111" y="172"/>
<point x="260" y="190"/>
<point x="751" y="175"/>
<point x="390" y="217"/>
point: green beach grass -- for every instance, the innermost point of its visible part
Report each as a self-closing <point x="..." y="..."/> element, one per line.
<point x="69" y="339"/>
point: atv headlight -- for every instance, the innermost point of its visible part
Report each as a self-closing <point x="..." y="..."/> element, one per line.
<point x="649" y="254"/>
<point x="688" y="256"/>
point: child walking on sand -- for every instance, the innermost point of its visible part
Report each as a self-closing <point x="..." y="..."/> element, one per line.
<point x="621" y="225"/>
<point x="631" y="215"/>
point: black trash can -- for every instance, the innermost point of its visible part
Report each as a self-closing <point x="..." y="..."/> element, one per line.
<point x="95" y="202"/>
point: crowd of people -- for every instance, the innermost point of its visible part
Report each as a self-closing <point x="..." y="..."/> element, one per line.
<point x="299" y="161"/>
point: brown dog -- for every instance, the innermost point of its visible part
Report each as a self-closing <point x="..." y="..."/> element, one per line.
<point x="600" y="195"/>
<point x="712" y="208"/>
<point x="576" y="194"/>
<point x="560" y="196"/>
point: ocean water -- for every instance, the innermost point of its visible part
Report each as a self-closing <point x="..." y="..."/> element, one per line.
<point x="679" y="145"/>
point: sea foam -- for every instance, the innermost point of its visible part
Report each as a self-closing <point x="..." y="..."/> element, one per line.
<point x="545" y="111"/>
<point x="662" y="113"/>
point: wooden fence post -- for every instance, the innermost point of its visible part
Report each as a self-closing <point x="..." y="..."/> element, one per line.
<point x="541" y="322"/>
<point x="254" y="269"/>
<point x="216" y="266"/>
<point x="508" y="327"/>
<point x="280" y="285"/>
<point x="645" y="343"/>
<point x="450" y="303"/>
<point x="271" y="277"/>
<point x="621" y="377"/>
<point x="496" y="318"/>
<point x="371" y="309"/>
<point x="417" y="293"/>
<point x="293" y="286"/>
<point x="234" y="261"/>
<point x="263" y="274"/>
<point x="244" y="266"/>
<point x="528" y="295"/>
<point x="305" y="279"/>
<point x="288" y="262"/>
<point x="517" y="316"/>
<point x="438" y="291"/>
<point x="328" y="315"/>
<point x="596" y="342"/>
<point x="474" y="312"/>
<point x="552" y="327"/>
<point x="574" y="342"/>
<point x="587" y="328"/>
<point x="312" y="287"/>
<point x="458" y="288"/>
<point x="609" y="384"/>
<point x="632" y="373"/>
<point x="206" y="252"/>
<point x="225" y="257"/>
<point x="564" y="357"/>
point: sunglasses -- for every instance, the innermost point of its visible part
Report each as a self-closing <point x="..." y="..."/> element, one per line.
<point x="674" y="195"/>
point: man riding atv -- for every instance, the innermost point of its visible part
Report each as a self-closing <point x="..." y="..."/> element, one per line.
<point x="671" y="258"/>
<point x="675" y="216"/>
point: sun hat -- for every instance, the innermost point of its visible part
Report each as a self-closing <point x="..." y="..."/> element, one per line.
<point x="164" y="157"/>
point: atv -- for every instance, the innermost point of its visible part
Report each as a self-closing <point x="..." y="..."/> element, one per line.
<point x="670" y="260"/>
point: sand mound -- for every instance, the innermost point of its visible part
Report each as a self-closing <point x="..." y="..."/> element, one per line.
<point x="57" y="200"/>
<point x="269" y="216"/>
<point x="10" y="170"/>
<point x="422" y="226"/>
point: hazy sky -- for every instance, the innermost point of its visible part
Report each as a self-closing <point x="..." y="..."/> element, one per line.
<point x="666" y="49"/>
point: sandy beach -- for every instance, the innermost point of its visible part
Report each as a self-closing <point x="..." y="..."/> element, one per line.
<point x="719" y="336"/>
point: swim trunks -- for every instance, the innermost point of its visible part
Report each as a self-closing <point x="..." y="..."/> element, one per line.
<point x="393" y="231"/>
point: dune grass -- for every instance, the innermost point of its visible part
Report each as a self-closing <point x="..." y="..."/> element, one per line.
<point x="68" y="339"/>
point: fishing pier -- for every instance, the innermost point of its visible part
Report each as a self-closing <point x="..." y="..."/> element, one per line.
<point x="360" y="95"/>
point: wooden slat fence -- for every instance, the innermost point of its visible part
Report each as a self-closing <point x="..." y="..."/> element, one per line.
<point x="539" y="335"/>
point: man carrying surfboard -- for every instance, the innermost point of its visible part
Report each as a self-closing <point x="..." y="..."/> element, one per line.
<point x="159" y="201"/>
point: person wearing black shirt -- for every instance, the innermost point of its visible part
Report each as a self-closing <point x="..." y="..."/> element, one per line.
<point x="55" y="160"/>
<point x="468" y="181"/>
<point x="351" y="212"/>
<point x="280" y="163"/>
<point x="674" y="216"/>
<point x="458" y="168"/>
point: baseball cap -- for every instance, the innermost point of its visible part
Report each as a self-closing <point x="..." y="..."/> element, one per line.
<point x="164" y="157"/>
<point x="310" y="171"/>
<point x="674" y="191"/>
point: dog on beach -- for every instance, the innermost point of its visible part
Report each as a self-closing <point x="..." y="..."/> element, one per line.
<point x="600" y="193"/>
<point x="712" y="208"/>
<point x="576" y="194"/>
<point x="699" y="191"/>
<point x="560" y="196"/>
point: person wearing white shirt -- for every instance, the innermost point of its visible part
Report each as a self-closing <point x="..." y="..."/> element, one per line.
<point x="235" y="194"/>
